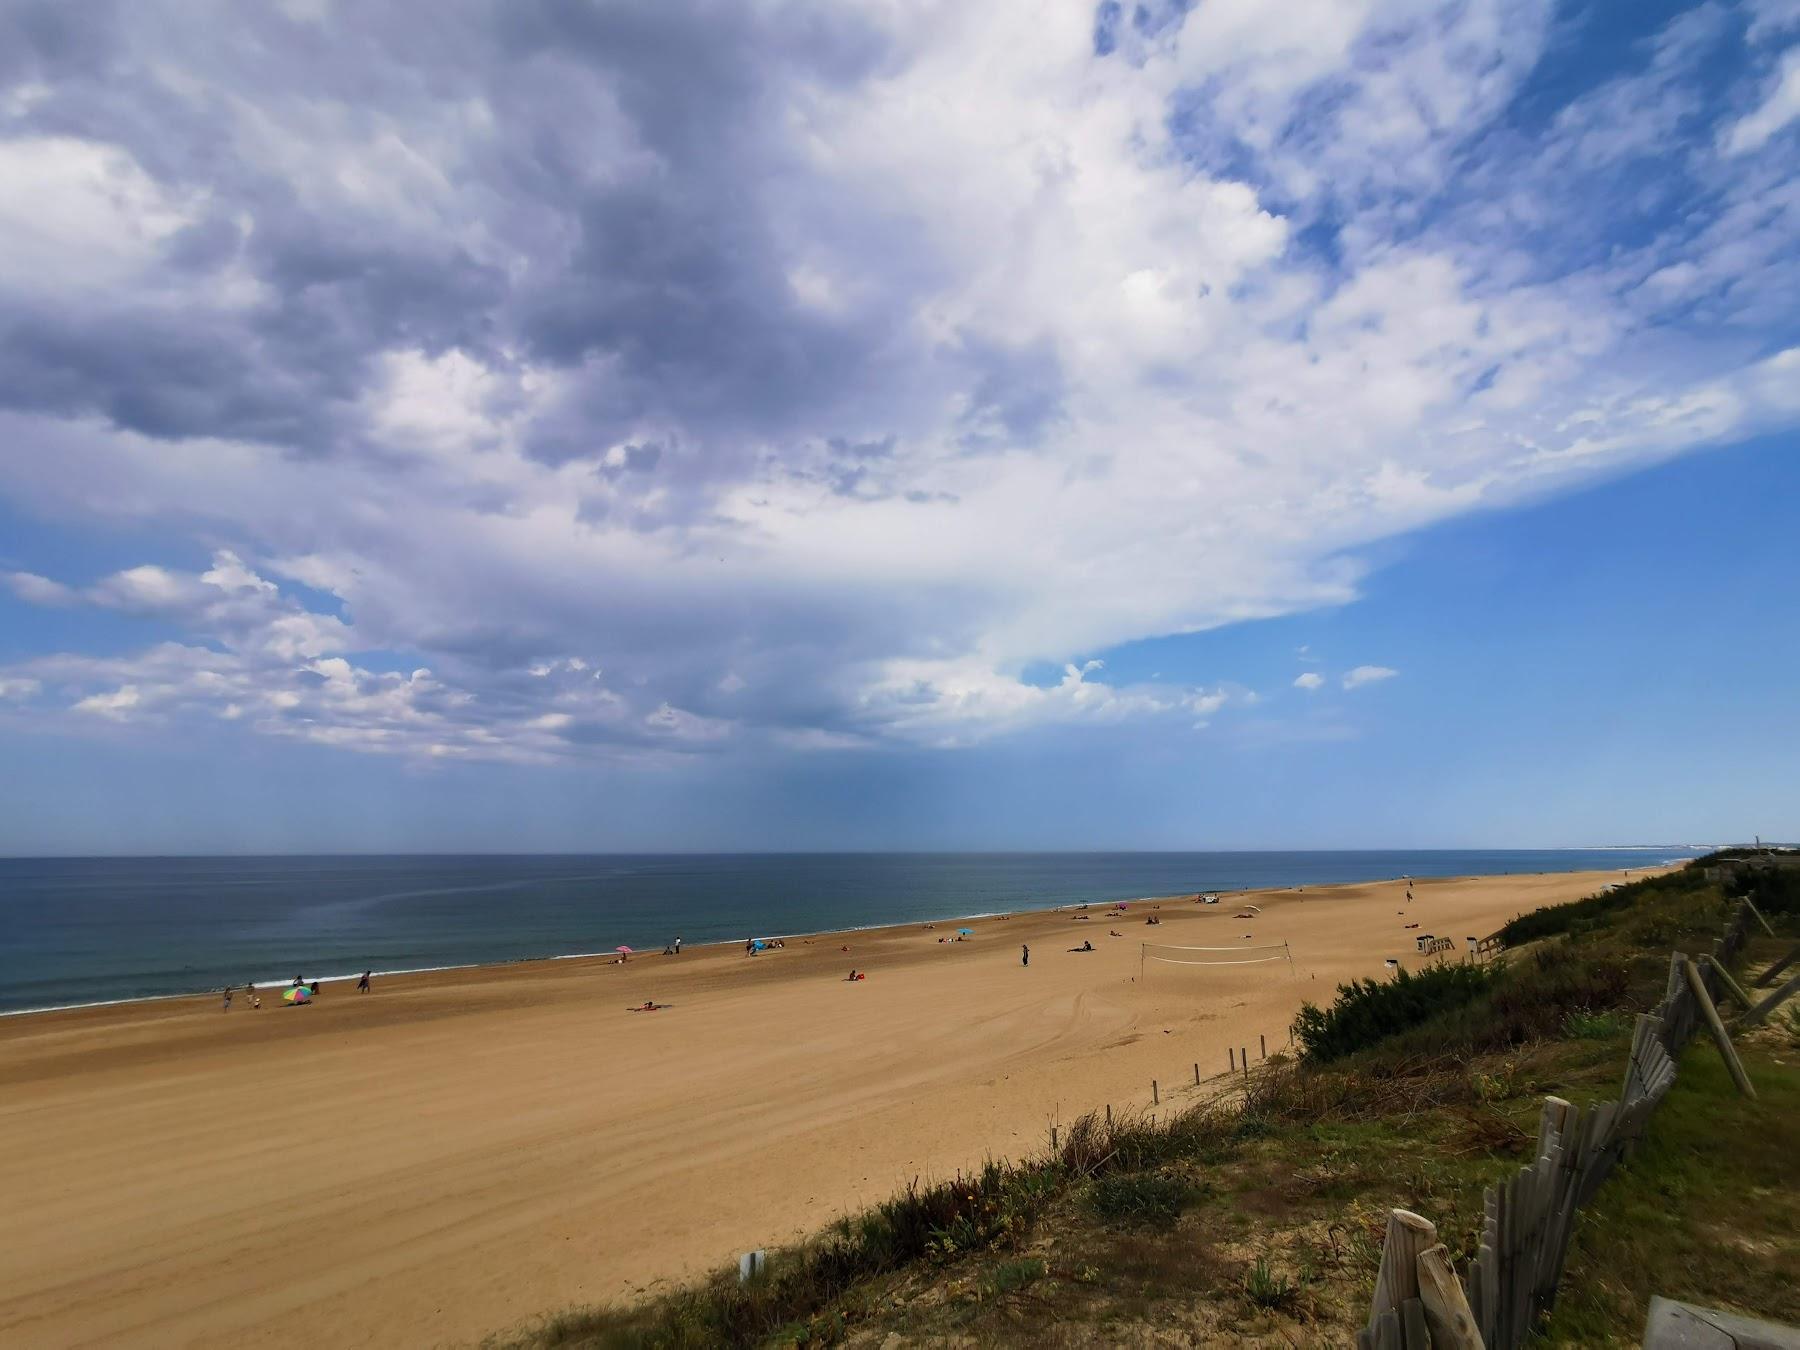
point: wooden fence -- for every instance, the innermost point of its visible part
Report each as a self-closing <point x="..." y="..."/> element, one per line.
<point x="1528" y="1223"/>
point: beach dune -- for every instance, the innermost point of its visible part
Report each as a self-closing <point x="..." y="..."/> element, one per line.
<point x="460" y="1151"/>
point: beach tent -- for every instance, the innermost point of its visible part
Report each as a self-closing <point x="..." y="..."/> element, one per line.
<point x="966" y="932"/>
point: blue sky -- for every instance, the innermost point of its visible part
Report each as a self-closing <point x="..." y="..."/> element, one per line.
<point x="657" y="428"/>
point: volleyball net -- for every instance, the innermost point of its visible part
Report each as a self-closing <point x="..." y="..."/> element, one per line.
<point x="1247" y="955"/>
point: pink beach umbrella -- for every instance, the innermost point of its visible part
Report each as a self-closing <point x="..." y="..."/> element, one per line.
<point x="623" y="951"/>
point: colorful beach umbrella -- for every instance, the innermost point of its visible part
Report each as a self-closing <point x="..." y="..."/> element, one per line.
<point x="298" y="995"/>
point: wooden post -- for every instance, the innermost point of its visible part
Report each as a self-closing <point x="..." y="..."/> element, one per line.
<point x="1711" y="1014"/>
<point x="1155" y="1100"/>
<point x="1759" y="918"/>
<point x="1773" y="973"/>
<point x="1735" y="989"/>
<point x="1447" y="1314"/>
<point x="1196" y="1075"/>
<point x="1109" y="1115"/>
<point x="1408" y="1234"/>
<point x="1231" y="1058"/>
<point x="1054" y="1145"/>
<point x="1755" y="1016"/>
<point x="1263" y="1041"/>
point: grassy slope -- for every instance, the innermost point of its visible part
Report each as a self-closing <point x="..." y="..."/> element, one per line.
<point x="1259" y="1220"/>
<point x="1708" y="1211"/>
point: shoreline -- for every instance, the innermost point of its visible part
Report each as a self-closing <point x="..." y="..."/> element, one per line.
<point x="473" y="1148"/>
<point x="509" y="963"/>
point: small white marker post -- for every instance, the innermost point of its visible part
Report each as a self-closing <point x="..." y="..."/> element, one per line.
<point x="750" y="1265"/>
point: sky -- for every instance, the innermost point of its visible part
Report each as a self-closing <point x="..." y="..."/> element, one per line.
<point x="743" y="426"/>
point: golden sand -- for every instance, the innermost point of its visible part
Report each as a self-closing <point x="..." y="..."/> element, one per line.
<point x="456" y="1152"/>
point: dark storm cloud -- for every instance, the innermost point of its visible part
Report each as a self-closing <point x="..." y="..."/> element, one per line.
<point x="609" y="179"/>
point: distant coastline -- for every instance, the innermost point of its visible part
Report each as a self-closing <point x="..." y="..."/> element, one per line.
<point x="104" y="931"/>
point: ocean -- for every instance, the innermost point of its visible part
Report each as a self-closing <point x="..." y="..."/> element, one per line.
<point x="94" y="930"/>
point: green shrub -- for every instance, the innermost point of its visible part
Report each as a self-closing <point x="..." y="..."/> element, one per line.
<point x="1010" y="1276"/>
<point x="1146" y="1198"/>
<point x="1594" y="912"/>
<point x="1773" y="890"/>
<point x="1368" y="1011"/>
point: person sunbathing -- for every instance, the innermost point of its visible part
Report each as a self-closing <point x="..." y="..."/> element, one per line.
<point x="1084" y="947"/>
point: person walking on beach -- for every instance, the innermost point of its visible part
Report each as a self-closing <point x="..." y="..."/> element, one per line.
<point x="227" y="1006"/>
<point x="678" y="946"/>
<point x="1024" y="955"/>
<point x="362" y="985"/>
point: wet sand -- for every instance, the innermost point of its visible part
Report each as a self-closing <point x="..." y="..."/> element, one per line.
<point x="457" y="1152"/>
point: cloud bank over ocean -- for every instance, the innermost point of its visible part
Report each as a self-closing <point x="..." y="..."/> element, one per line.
<point x="530" y="381"/>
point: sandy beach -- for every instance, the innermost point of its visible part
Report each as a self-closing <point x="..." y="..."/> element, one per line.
<point x="456" y="1152"/>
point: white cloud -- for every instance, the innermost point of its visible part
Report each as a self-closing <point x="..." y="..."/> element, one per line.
<point x="1047" y="361"/>
<point x="75" y="215"/>
<point x="117" y="704"/>
<point x="1779" y="108"/>
<point x="30" y="587"/>
<point x="1362" y="675"/>
<point x="1309" y="680"/>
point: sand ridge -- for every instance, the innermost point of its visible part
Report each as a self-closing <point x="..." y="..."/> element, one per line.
<point x="461" y="1150"/>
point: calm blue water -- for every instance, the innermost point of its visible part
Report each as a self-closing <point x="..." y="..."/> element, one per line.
<point x="82" y="930"/>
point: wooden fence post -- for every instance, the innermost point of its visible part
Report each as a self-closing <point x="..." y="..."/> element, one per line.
<point x="1755" y="1016"/>
<point x="1231" y="1058"/>
<point x="1196" y="1075"/>
<point x="1711" y="1014"/>
<point x="1735" y="989"/>
<point x="1447" y="1314"/>
<point x="1155" y="1098"/>
<point x="1759" y="918"/>
<point x="1408" y="1234"/>
<point x="1263" y="1041"/>
<point x="1773" y="973"/>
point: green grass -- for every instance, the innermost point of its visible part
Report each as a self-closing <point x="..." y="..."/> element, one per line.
<point x="1595" y="1026"/>
<point x="1268" y="1290"/>
<point x="1147" y="1198"/>
<point x="1707" y="1211"/>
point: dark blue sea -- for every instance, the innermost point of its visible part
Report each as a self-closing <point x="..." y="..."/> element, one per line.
<point x="88" y="930"/>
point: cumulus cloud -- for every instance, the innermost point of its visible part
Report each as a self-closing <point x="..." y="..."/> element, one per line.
<point x="1361" y="675"/>
<point x="1309" y="680"/>
<point x="819" y="374"/>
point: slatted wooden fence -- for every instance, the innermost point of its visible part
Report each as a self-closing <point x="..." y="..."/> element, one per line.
<point x="1528" y="1223"/>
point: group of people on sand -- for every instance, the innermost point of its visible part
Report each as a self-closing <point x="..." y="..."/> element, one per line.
<point x="254" y="996"/>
